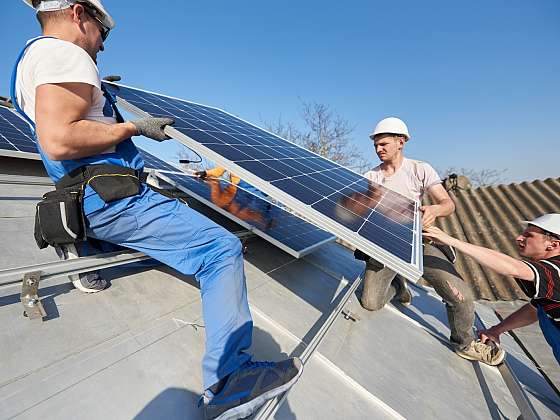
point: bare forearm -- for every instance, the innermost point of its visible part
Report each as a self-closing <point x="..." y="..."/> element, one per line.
<point x="86" y="138"/>
<point x="64" y="132"/>
<point x="445" y="208"/>
<point x="520" y="318"/>
<point x="500" y="263"/>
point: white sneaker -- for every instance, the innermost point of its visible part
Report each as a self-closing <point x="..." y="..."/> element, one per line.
<point x="90" y="282"/>
<point x="491" y="354"/>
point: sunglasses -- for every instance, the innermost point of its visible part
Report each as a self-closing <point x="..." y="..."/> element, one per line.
<point x="94" y="14"/>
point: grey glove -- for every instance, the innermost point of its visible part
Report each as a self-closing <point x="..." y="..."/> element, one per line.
<point x="153" y="127"/>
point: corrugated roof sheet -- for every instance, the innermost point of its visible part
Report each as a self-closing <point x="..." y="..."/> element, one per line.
<point x="490" y="217"/>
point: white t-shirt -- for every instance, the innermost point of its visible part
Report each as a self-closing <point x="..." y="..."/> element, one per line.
<point x="52" y="60"/>
<point x="412" y="179"/>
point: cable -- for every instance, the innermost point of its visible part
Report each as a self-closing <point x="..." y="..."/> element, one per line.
<point x="191" y="161"/>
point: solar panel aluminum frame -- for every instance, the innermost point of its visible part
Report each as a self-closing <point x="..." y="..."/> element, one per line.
<point x="19" y="154"/>
<point x="249" y="227"/>
<point x="412" y="271"/>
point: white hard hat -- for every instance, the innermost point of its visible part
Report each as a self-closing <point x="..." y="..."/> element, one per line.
<point x="549" y="222"/>
<point x="391" y="125"/>
<point x="52" y="5"/>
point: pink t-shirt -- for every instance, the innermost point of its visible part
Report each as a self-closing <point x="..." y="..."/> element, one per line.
<point x="412" y="179"/>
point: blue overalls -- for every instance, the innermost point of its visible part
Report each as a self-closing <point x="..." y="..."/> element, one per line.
<point x="179" y="237"/>
<point x="550" y="331"/>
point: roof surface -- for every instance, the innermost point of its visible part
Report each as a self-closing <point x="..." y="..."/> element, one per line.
<point x="490" y="217"/>
<point x="134" y="350"/>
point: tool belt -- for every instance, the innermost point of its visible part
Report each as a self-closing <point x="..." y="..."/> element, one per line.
<point x="59" y="216"/>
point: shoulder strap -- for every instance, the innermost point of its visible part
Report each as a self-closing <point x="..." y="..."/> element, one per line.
<point x="113" y="101"/>
<point x="13" y="81"/>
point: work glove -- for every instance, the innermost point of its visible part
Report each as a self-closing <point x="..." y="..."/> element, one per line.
<point x="201" y="174"/>
<point x="153" y="127"/>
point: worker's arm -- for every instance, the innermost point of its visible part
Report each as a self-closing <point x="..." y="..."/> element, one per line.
<point x="524" y="316"/>
<point x="500" y="263"/>
<point x="444" y="205"/>
<point x="63" y="131"/>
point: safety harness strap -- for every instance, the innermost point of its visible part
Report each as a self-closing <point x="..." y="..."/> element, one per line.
<point x="13" y="94"/>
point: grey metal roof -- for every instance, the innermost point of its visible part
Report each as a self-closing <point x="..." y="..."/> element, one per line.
<point x="490" y="217"/>
<point x="134" y="350"/>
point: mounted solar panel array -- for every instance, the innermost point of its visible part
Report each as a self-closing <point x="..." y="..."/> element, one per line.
<point x="380" y="222"/>
<point x="16" y="138"/>
<point x="267" y="220"/>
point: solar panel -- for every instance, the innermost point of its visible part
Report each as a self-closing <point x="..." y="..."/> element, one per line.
<point x="276" y="225"/>
<point x="152" y="162"/>
<point x="380" y="222"/>
<point x="16" y="138"/>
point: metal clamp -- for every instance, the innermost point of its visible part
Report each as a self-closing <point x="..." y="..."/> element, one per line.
<point x="348" y="314"/>
<point x="32" y="306"/>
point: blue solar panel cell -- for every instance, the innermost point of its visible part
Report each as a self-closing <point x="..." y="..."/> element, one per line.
<point x="392" y="243"/>
<point x="152" y="162"/>
<point x="323" y="190"/>
<point x="15" y="133"/>
<point x="297" y="190"/>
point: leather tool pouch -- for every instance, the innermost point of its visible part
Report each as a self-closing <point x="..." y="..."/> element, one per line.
<point x="59" y="219"/>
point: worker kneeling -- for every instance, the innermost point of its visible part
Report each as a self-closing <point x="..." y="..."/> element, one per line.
<point x="86" y="147"/>
<point x="413" y="179"/>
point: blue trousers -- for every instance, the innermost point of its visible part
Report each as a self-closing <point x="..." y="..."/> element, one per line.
<point x="551" y="332"/>
<point x="171" y="232"/>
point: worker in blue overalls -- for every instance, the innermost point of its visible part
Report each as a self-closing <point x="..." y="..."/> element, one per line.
<point x="538" y="274"/>
<point x="56" y="87"/>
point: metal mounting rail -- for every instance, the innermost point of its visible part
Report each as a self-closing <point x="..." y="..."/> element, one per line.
<point x="269" y="408"/>
<point x="30" y="276"/>
<point x="25" y="180"/>
<point x="14" y="276"/>
<point x="519" y="395"/>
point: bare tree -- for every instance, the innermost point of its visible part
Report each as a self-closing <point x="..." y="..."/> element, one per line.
<point x="326" y="133"/>
<point x="478" y="177"/>
<point x="286" y="130"/>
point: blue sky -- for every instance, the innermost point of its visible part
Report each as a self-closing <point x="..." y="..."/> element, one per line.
<point x="477" y="82"/>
